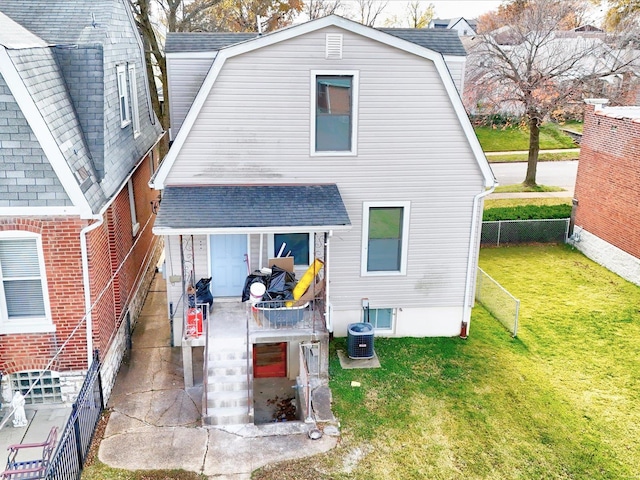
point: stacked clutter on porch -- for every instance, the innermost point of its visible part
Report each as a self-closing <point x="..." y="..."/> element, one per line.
<point x="277" y="299"/>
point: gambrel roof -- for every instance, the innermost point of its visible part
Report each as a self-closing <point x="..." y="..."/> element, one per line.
<point x="442" y="41"/>
<point x="259" y="42"/>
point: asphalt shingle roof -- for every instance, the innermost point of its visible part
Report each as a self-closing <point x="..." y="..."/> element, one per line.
<point x="246" y="206"/>
<point x="446" y="42"/>
<point x="203" y="41"/>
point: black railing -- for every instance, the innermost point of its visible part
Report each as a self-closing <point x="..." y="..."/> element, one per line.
<point x="75" y="440"/>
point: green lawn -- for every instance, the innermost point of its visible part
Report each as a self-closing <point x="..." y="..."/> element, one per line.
<point x="517" y="138"/>
<point x="562" y="401"/>
<point x="542" y="157"/>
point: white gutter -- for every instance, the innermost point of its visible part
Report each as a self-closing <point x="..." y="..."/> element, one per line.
<point x="473" y="242"/>
<point x="327" y="311"/>
<point x="85" y="281"/>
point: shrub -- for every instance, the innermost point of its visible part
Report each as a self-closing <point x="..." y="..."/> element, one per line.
<point x="527" y="212"/>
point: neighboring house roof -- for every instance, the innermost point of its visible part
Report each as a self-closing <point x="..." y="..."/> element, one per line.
<point x="630" y="112"/>
<point x="314" y="207"/>
<point x="292" y="32"/>
<point x="444" y="42"/>
<point x="58" y="63"/>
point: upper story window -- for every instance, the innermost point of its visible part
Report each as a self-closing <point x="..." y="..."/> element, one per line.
<point x="135" y="225"/>
<point x="385" y="232"/>
<point x="133" y="88"/>
<point x="24" y="304"/>
<point x="334" y="118"/>
<point x="125" y="115"/>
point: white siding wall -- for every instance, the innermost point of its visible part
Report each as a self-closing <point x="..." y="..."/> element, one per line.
<point x="185" y="76"/>
<point x="456" y="67"/>
<point x="254" y="128"/>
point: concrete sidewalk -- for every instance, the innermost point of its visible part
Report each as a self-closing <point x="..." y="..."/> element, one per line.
<point x="155" y="422"/>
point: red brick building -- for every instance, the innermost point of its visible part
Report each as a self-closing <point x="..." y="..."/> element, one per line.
<point x="79" y="143"/>
<point x="607" y="193"/>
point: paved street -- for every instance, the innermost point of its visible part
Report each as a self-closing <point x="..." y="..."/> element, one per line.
<point x="558" y="174"/>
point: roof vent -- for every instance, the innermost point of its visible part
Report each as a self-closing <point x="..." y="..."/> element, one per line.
<point x="334" y="46"/>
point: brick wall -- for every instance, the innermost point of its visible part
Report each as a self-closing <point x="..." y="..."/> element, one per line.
<point x="607" y="181"/>
<point x="108" y="251"/>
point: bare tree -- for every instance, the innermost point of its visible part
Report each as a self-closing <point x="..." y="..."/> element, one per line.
<point x="527" y="67"/>
<point x="321" y="8"/>
<point x="174" y="18"/>
<point x="368" y="11"/>
<point x="415" y="15"/>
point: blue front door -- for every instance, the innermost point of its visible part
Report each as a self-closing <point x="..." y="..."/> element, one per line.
<point x="228" y="266"/>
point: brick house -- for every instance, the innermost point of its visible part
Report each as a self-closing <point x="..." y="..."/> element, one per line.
<point x="78" y="144"/>
<point x="606" y="208"/>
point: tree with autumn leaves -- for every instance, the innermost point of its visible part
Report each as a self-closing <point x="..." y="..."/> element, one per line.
<point x="153" y="17"/>
<point x="525" y="59"/>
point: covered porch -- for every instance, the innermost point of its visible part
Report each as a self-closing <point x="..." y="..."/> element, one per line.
<point x="236" y="232"/>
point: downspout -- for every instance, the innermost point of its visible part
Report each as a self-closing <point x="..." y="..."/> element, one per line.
<point x="85" y="280"/>
<point x="327" y="314"/>
<point x="466" y="311"/>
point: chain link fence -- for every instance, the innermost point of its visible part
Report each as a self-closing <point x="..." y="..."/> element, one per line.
<point x="498" y="301"/>
<point x="524" y="231"/>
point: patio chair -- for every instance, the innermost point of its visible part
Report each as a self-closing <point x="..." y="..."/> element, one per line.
<point x="30" y="469"/>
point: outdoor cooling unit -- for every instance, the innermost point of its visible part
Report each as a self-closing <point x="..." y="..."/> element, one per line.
<point x="360" y="340"/>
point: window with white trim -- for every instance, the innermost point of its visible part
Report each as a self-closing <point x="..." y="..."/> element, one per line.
<point x="334" y="120"/>
<point x="296" y="245"/>
<point x="133" y="89"/>
<point x="125" y="116"/>
<point x="385" y="238"/>
<point x="380" y="318"/>
<point x="135" y="225"/>
<point x="24" y="302"/>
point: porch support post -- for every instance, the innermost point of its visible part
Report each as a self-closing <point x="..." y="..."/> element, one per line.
<point x="187" y="365"/>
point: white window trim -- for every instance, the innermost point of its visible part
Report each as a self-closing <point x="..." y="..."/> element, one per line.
<point x="312" y="254"/>
<point x="27" y="324"/>
<point x="133" y="89"/>
<point x="394" y="314"/>
<point x="135" y="225"/>
<point x="121" y="80"/>
<point x="355" y="93"/>
<point x="365" y="237"/>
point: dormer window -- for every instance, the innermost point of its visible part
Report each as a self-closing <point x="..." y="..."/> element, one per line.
<point x="125" y="116"/>
<point x="133" y="87"/>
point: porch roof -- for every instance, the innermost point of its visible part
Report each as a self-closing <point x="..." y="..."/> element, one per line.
<point x="250" y="208"/>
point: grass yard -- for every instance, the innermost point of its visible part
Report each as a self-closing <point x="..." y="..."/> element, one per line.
<point x="542" y="157"/>
<point x="562" y="401"/>
<point x="517" y="138"/>
<point x="519" y="202"/>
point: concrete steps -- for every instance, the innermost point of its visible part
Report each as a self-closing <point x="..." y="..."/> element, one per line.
<point x="229" y="371"/>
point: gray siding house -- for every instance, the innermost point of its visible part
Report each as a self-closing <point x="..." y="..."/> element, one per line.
<point x="78" y="144"/>
<point x="345" y="143"/>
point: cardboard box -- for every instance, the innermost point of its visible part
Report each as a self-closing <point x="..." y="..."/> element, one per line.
<point x="286" y="263"/>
